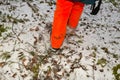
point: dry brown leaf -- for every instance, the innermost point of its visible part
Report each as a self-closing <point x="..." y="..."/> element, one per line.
<point x="2" y="64"/>
<point x="36" y="40"/>
<point x="14" y="75"/>
<point x="36" y="28"/>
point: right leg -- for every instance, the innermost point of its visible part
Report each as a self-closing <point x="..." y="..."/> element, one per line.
<point x="61" y="15"/>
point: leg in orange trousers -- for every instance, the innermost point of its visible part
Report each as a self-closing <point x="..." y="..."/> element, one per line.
<point x="66" y="13"/>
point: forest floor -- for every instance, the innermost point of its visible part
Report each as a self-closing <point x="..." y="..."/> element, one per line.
<point x="91" y="53"/>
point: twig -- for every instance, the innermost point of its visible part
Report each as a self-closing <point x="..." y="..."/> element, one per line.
<point x="20" y="31"/>
<point x="16" y="34"/>
<point x="33" y="7"/>
<point x="93" y="70"/>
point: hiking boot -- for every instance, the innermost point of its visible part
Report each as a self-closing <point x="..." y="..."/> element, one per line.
<point x="71" y="30"/>
<point x="53" y="50"/>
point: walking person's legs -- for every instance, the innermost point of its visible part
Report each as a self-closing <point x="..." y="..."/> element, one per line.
<point x="61" y="16"/>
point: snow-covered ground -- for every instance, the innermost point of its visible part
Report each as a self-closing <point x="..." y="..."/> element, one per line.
<point x="89" y="54"/>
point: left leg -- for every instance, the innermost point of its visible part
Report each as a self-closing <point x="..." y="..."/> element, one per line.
<point x="75" y="14"/>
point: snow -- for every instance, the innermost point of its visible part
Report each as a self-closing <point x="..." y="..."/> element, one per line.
<point x="96" y="37"/>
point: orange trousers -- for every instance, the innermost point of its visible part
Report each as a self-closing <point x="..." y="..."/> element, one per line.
<point x="66" y="13"/>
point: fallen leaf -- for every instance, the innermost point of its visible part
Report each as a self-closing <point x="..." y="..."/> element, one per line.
<point x="2" y="64"/>
<point x="14" y="75"/>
